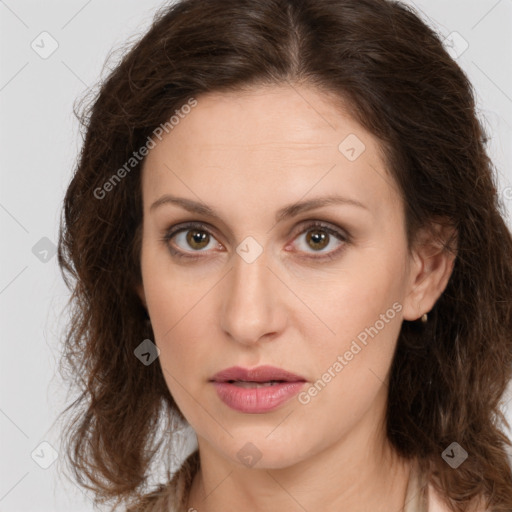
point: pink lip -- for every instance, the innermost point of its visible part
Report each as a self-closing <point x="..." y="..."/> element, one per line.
<point x="258" y="374"/>
<point x="256" y="400"/>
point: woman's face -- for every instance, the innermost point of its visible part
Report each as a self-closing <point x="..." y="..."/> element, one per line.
<point x="264" y="273"/>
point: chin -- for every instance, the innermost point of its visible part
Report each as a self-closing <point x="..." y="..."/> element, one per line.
<point x="256" y="450"/>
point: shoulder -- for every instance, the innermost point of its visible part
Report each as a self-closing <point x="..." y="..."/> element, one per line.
<point x="423" y="496"/>
<point x="436" y="503"/>
<point x="172" y="497"/>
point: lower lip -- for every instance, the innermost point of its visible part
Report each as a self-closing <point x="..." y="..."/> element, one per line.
<point x="256" y="400"/>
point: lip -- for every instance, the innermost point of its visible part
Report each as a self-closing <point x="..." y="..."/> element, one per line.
<point x="258" y="374"/>
<point x="256" y="400"/>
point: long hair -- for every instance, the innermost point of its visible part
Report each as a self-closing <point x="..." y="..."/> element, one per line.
<point x="390" y="70"/>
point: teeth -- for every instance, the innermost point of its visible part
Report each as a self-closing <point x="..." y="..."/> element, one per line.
<point x="243" y="384"/>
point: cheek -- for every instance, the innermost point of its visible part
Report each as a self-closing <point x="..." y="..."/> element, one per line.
<point x="170" y="291"/>
<point x="173" y="301"/>
<point x="180" y="338"/>
<point x="360" y="309"/>
<point x="361" y="349"/>
<point x="346" y="302"/>
<point x="351" y="370"/>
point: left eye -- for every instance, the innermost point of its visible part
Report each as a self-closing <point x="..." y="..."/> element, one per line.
<point x="198" y="237"/>
<point x="319" y="236"/>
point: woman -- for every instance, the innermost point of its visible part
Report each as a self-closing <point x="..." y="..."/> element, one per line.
<point x="284" y="231"/>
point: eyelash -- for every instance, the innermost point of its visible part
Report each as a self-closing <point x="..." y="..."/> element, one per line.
<point x="172" y="232"/>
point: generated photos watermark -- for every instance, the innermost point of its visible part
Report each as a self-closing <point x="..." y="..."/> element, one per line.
<point x="138" y="156"/>
<point x="343" y="360"/>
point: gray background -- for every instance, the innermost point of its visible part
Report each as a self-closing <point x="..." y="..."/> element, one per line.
<point x="39" y="141"/>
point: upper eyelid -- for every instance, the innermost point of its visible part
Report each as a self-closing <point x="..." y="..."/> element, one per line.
<point x="303" y="224"/>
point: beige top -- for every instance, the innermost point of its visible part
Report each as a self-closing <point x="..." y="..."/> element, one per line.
<point x="420" y="496"/>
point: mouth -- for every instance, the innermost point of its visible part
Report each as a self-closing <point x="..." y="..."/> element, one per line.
<point x="258" y="390"/>
<point x="256" y="377"/>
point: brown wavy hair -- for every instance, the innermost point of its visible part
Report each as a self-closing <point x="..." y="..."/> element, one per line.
<point x="390" y="70"/>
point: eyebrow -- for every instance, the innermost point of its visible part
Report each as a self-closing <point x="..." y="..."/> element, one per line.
<point x="288" y="211"/>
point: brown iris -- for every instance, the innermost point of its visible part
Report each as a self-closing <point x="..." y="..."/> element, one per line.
<point x="318" y="237"/>
<point x="199" y="237"/>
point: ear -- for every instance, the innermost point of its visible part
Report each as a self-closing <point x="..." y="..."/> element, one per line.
<point x="433" y="257"/>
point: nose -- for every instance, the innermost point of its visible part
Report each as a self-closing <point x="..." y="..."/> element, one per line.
<point x="252" y="310"/>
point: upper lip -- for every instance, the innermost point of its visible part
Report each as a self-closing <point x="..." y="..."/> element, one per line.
<point x="258" y="374"/>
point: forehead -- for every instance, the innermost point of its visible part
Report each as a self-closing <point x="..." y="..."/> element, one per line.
<point x="272" y="141"/>
<point x="278" y="116"/>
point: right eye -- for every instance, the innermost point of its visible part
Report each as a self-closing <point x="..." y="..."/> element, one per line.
<point x="194" y="235"/>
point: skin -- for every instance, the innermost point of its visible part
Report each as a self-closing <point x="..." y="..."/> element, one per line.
<point x="246" y="155"/>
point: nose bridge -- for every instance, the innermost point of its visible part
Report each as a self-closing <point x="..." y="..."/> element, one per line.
<point x="250" y="306"/>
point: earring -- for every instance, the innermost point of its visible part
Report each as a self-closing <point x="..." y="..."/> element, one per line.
<point x="424" y="318"/>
